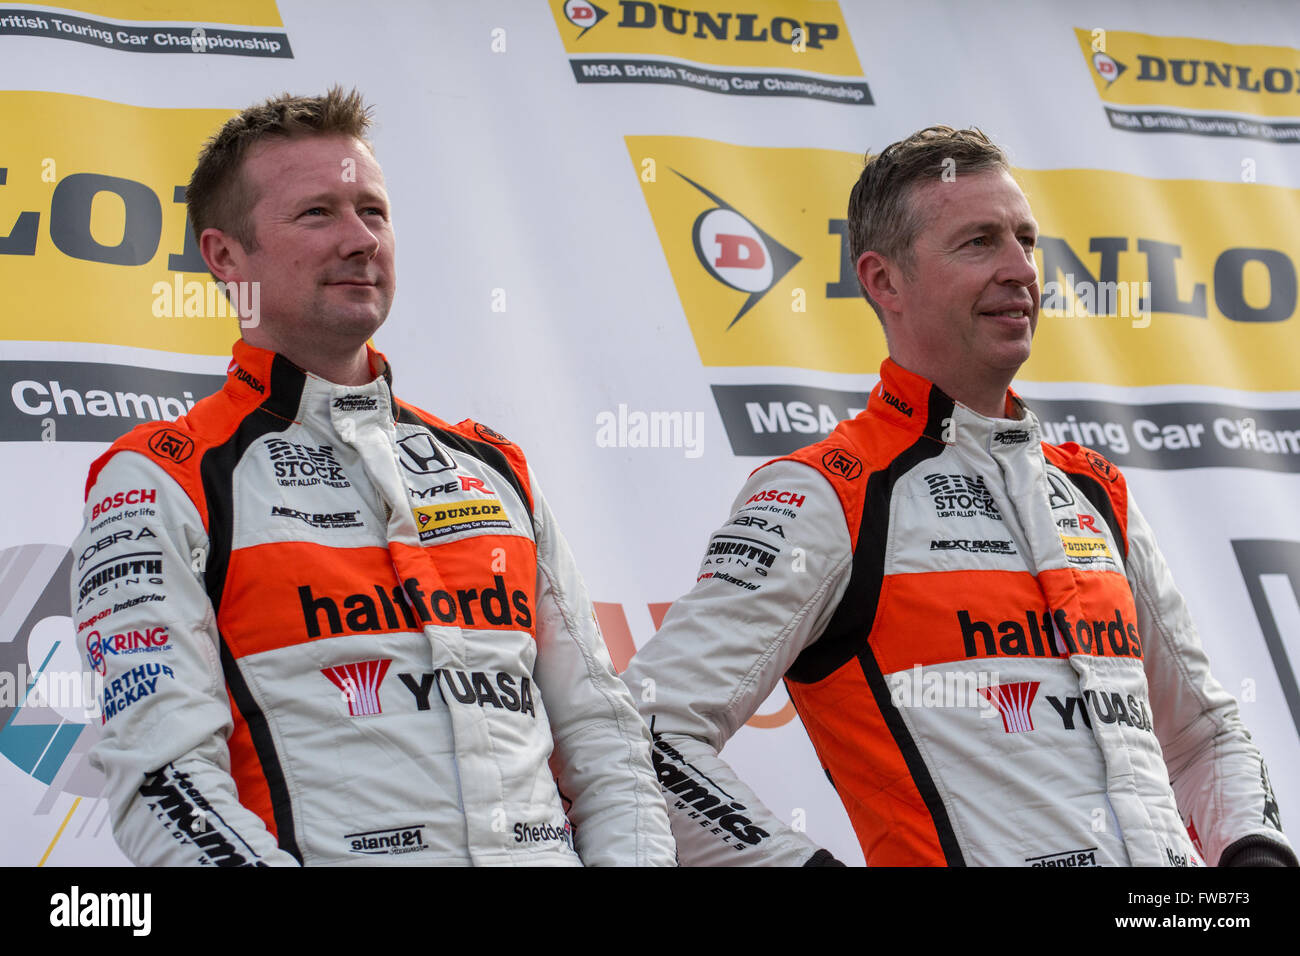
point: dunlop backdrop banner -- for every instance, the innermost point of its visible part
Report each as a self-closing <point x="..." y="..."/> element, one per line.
<point x="637" y="212"/>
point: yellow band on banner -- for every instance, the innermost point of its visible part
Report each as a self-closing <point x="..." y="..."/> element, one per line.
<point x="1147" y="281"/>
<point x="92" y="233"/>
<point x="1137" y="69"/>
<point x="803" y="35"/>
<point x="253" y="13"/>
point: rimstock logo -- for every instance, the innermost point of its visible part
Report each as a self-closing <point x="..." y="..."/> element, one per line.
<point x="1206" y="87"/>
<point x="799" y="48"/>
<point x="173" y="29"/>
<point x="1166" y="282"/>
<point x="93" y="232"/>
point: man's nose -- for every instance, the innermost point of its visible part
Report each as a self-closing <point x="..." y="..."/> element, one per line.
<point x="1017" y="264"/>
<point x="358" y="237"/>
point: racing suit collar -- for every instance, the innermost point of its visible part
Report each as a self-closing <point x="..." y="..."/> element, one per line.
<point x="278" y="385"/>
<point x="913" y="402"/>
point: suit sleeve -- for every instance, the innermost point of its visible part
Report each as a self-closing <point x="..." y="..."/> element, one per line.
<point x="601" y="758"/>
<point x="1217" y="773"/>
<point x="769" y="581"/>
<point x="146" y="629"/>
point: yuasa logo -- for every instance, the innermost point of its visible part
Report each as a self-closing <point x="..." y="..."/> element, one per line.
<point x="1013" y="702"/>
<point x="359" y="683"/>
<point x="134" y="497"/>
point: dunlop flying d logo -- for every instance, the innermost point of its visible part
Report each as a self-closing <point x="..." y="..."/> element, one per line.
<point x="799" y="48"/>
<point x="737" y="253"/>
<point x="1195" y="86"/>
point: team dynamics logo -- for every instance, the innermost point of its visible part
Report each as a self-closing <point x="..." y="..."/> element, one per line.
<point x="359" y="683"/>
<point x="421" y="455"/>
<point x="737" y="253"/>
<point x="1013" y="702"/>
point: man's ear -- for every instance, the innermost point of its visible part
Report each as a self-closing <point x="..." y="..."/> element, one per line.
<point x="223" y="253"/>
<point x="880" y="276"/>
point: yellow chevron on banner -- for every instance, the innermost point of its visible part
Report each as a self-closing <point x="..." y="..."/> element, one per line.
<point x="253" y="13"/>
<point x="1138" y="69"/>
<point x="749" y="235"/>
<point x="805" y="35"/>
<point x="89" y="223"/>
<point x="1146" y="281"/>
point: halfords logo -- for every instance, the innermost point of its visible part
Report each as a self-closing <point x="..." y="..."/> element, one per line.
<point x="407" y="607"/>
<point x="359" y="683"/>
<point x="1036" y="634"/>
<point x="394" y="841"/>
<point x="961" y="496"/>
<point x="716" y="813"/>
<point x="501" y="690"/>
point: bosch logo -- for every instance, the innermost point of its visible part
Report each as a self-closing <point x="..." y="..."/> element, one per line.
<point x="134" y="497"/>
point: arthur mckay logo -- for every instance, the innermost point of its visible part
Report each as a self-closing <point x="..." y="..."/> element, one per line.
<point x="92" y="222"/>
<point x="1195" y="86"/>
<point x="176" y="31"/>
<point x="742" y="48"/>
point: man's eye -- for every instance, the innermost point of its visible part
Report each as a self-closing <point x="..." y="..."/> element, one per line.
<point x="1029" y="242"/>
<point x="980" y="241"/>
<point x="314" y="211"/>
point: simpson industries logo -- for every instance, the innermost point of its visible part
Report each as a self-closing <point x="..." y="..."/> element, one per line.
<point x="748" y="48"/>
<point x="1165" y="282"/>
<point x="1154" y="84"/>
<point x="92" y="224"/>
<point x="166" y="26"/>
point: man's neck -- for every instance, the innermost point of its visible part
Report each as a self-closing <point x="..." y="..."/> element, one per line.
<point x="982" y="394"/>
<point x="348" y="368"/>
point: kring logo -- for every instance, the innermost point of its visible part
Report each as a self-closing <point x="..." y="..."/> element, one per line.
<point x="128" y="642"/>
<point x="737" y="253"/>
<point x="583" y="15"/>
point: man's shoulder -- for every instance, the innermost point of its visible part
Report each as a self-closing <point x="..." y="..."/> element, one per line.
<point x="1085" y="462"/>
<point x="178" y="447"/>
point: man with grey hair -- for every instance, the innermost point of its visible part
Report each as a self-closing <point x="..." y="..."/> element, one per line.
<point x="977" y="629"/>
